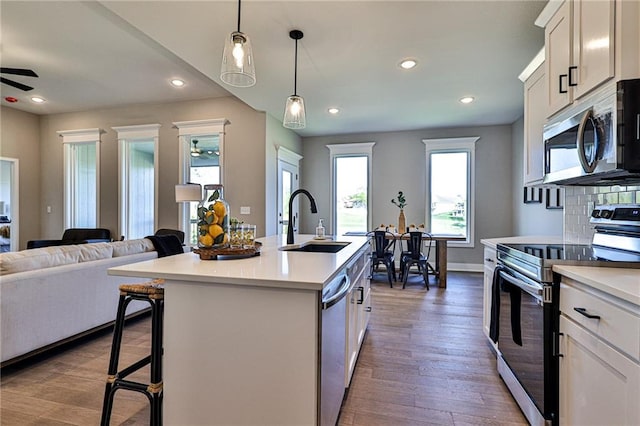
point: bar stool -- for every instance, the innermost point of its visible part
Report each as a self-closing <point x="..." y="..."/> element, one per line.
<point x="153" y="293"/>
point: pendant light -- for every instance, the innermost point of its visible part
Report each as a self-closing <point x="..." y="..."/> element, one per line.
<point x="294" y="113"/>
<point x="237" y="68"/>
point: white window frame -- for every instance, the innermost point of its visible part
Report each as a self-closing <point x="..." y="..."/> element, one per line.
<point x="130" y="135"/>
<point x="69" y="139"/>
<point x="187" y="130"/>
<point x="349" y="150"/>
<point x="449" y="145"/>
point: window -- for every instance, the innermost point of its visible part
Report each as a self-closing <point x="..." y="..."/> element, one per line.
<point x="81" y="172"/>
<point x="201" y="159"/>
<point x="350" y="185"/>
<point x="137" y="185"/>
<point x="450" y="187"/>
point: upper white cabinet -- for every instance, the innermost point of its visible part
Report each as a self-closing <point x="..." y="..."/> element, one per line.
<point x="588" y="42"/>
<point x="535" y="91"/>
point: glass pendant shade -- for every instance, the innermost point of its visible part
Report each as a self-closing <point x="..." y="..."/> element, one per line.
<point x="294" y="113"/>
<point x="237" y="68"/>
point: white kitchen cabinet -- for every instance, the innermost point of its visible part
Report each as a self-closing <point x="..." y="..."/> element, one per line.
<point x="534" y="118"/>
<point x="489" y="266"/>
<point x="587" y="43"/>
<point x="558" y="50"/>
<point x="358" y="310"/>
<point x="579" y="43"/>
<point x="600" y="362"/>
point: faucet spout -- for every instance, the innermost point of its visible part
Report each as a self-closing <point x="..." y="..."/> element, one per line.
<point x="314" y="209"/>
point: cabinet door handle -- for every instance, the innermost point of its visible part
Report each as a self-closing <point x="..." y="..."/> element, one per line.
<point x="560" y="77"/>
<point x="361" y="298"/>
<point x="488" y="259"/>
<point x="584" y="312"/>
<point x="571" y="82"/>
<point x="368" y="309"/>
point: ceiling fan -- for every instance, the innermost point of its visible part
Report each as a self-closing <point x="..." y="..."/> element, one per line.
<point x="17" y="71"/>
<point x="203" y="153"/>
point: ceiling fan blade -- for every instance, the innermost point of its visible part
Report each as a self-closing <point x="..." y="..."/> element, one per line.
<point x="18" y="71"/>
<point x="15" y="84"/>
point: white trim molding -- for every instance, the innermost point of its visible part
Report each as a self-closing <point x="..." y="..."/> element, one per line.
<point x="443" y="145"/>
<point x="287" y="155"/>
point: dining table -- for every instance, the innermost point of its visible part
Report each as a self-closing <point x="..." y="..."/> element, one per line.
<point x="441" y="244"/>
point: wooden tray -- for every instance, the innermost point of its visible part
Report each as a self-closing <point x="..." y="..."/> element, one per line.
<point x="228" y="253"/>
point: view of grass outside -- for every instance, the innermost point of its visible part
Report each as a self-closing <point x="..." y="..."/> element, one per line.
<point x="449" y="193"/>
<point x="351" y="194"/>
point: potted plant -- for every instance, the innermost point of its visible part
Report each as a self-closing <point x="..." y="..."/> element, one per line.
<point x="400" y="201"/>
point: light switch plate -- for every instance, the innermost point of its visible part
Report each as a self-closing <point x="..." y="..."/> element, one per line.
<point x="245" y="210"/>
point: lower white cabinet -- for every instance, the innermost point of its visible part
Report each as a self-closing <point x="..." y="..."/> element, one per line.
<point x="489" y="266"/>
<point x="358" y="311"/>
<point x="600" y="365"/>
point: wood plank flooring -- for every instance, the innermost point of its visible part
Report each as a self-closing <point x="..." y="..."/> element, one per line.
<point x="424" y="361"/>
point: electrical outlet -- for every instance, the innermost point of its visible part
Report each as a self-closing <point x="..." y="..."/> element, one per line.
<point x="245" y="210"/>
<point x="48" y="209"/>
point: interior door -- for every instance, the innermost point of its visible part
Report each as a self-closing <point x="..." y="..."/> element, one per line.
<point x="287" y="183"/>
<point x="8" y="204"/>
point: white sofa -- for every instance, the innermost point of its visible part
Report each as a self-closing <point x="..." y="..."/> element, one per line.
<point x="53" y="294"/>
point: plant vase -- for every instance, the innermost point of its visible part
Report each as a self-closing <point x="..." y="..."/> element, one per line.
<point x="402" y="226"/>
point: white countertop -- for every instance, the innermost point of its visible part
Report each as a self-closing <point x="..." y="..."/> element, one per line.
<point x="619" y="282"/>
<point x="524" y="239"/>
<point x="272" y="268"/>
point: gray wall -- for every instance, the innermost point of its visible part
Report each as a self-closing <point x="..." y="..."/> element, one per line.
<point x="20" y="138"/>
<point x="399" y="164"/>
<point x="244" y="154"/>
<point x="529" y="219"/>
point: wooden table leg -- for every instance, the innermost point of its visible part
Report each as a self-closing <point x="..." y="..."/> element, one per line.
<point x="441" y="261"/>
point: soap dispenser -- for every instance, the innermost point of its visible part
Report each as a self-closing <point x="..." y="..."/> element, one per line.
<point x="320" y="231"/>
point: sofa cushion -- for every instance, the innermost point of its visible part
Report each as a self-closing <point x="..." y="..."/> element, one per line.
<point x="95" y="251"/>
<point x="45" y="257"/>
<point x="127" y="247"/>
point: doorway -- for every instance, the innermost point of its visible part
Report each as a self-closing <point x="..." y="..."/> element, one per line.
<point x="9" y="204"/>
<point x="288" y="182"/>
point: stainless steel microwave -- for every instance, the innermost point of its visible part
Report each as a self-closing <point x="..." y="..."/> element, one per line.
<point x="597" y="142"/>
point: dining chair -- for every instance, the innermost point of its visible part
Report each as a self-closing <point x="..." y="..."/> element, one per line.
<point x="383" y="252"/>
<point x="414" y="256"/>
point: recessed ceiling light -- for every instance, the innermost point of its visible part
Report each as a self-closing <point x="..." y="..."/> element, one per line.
<point x="37" y="99"/>
<point x="407" y="64"/>
<point x="467" y="99"/>
<point x="177" y="82"/>
<point x="333" y="111"/>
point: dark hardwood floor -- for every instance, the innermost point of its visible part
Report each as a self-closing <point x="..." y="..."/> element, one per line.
<point x="424" y="361"/>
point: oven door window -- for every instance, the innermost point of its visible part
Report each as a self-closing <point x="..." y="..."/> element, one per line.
<point x="521" y="339"/>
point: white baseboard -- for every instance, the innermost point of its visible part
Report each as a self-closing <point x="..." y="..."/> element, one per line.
<point x="465" y="267"/>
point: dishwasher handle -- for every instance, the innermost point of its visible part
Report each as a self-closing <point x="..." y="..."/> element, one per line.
<point x="338" y="294"/>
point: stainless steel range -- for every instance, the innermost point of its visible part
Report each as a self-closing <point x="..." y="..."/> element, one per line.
<point x="525" y="313"/>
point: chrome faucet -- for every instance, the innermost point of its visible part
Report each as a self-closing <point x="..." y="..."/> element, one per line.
<point x="314" y="209"/>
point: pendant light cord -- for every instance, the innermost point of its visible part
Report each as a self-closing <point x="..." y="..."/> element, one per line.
<point x="295" y="72"/>
<point x="239" y="1"/>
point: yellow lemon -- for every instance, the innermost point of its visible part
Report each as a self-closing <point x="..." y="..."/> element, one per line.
<point x="206" y="240"/>
<point x="215" y="230"/>
<point x="220" y="210"/>
<point x="226" y="239"/>
<point x="212" y="213"/>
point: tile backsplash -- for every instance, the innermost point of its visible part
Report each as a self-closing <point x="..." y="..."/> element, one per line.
<point x="579" y="201"/>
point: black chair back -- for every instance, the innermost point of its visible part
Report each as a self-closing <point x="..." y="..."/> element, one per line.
<point x="176" y="232"/>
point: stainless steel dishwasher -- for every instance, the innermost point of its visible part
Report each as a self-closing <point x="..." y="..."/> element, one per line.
<point x="333" y="345"/>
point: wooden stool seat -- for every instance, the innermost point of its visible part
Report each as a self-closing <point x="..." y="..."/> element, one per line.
<point x="151" y="292"/>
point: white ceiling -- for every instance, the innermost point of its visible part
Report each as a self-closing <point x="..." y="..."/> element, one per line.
<point x="100" y="54"/>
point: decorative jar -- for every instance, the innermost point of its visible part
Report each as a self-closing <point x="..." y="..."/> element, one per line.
<point x="213" y="219"/>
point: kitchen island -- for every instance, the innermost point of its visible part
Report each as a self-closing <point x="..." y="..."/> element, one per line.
<point x="242" y="337"/>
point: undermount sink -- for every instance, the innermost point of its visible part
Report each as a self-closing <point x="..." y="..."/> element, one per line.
<point x="317" y="247"/>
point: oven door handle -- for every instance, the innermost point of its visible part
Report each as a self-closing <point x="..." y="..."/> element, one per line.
<point x="534" y="290"/>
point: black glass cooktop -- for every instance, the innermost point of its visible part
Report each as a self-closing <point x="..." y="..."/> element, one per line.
<point x="572" y="253"/>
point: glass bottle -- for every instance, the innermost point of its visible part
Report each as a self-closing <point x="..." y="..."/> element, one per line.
<point x="213" y="219"/>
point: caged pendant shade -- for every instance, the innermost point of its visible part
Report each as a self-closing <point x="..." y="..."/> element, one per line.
<point x="294" y="112"/>
<point x="237" y="68"/>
